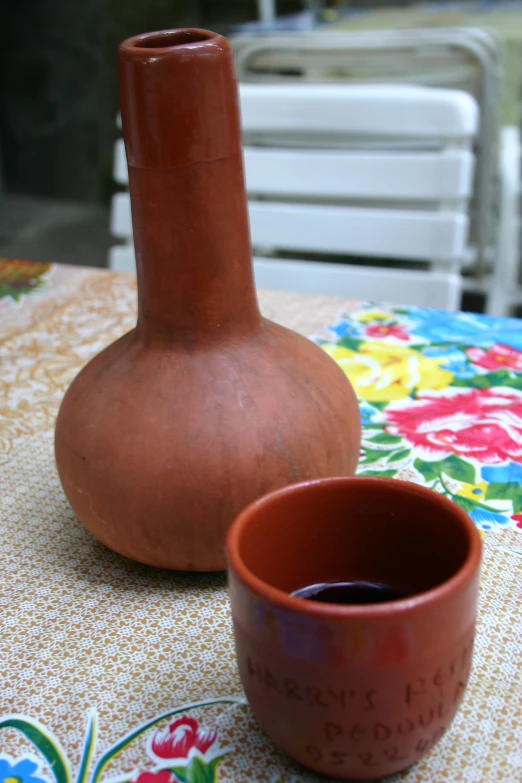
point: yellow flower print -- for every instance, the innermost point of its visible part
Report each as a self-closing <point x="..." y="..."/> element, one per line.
<point x="371" y="315"/>
<point x="473" y="491"/>
<point x="381" y="373"/>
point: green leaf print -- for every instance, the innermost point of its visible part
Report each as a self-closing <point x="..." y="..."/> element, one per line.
<point x="383" y="439"/>
<point x="372" y="455"/>
<point x="475" y="382"/>
<point x="396" y="456"/>
<point x="490" y="379"/>
<point x="48" y="747"/>
<point x="198" y="771"/>
<point x="88" y="749"/>
<point x="352" y="343"/>
<point x="430" y="470"/>
<point x="506" y="491"/>
<point x="465" y="503"/>
<point x="381" y="473"/>
<point x="458" y="469"/>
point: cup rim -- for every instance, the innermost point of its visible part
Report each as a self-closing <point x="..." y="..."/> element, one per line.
<point x="309" y="607"/>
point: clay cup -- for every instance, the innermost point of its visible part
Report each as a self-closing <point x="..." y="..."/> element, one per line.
<point x="354" y="691"/>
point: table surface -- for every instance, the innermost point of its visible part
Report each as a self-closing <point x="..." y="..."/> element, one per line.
<point x="99" y="654"/>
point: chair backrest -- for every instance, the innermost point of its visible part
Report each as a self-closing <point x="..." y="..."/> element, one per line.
<point x="368" y="171"/>
<point x="434" y="56"/>
<point x="468" y="59"/>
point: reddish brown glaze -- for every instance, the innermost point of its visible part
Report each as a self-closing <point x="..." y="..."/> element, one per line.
<point x="354" y="692"/>
<point x="168" y="433"/>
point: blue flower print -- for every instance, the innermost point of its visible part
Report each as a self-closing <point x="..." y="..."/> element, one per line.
<point x="345" y="328"/>
<point x="503" y="474"/>
<point x="438" y="326"/>
<point x="453" y="360"/>
<point x="487" y="520"/>
<point x="368" y="413"/>
<point x="21" y="771"/>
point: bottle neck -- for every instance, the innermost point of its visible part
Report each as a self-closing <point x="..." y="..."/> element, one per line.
<point x="193" y="250"/>
<point x="180" y="120"/>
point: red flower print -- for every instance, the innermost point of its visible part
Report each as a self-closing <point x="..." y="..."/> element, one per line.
<point x="496" y="357"/>
<point x="381" y="330"/>
<point x="180" y="740"/>
<point x="163" y="776"/>
<point x="485" y="424"/>
<point x="518" y="519"/>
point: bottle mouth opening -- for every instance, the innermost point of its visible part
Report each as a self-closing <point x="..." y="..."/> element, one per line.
<point x="171" y="38"/>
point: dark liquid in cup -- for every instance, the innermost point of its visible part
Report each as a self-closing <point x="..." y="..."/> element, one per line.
<point x="349" y="593"/>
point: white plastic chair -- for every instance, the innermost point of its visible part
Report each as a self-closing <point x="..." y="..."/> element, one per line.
<point x="504" y="290"/>
<point x="467" y="59"/>
<point x="401" y="193"/>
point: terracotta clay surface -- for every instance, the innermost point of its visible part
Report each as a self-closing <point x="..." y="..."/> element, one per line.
<point x="354" y="692"/>
<point x="168" y="433"/>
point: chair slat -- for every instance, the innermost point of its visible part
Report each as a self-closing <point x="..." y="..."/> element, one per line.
<point x="120" y="171"/>
<point x="385" y="233"/>
<point x="381" y="171"/>
<point x="398" y="286"/>
<point x="122" y="258"/>
<point x="378" y="175"/>
<point x="388" y="110"/>
<point x="121" y="217"/>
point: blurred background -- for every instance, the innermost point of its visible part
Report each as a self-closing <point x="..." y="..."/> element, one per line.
<point x="58" y="103"/>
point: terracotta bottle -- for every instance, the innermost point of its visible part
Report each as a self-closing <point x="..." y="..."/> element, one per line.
<point x="170" y="431"/>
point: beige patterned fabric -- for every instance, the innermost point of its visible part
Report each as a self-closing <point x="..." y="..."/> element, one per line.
<point x="85" y="633"/>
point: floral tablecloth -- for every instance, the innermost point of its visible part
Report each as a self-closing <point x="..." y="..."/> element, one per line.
<point x="115" y="672"/>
